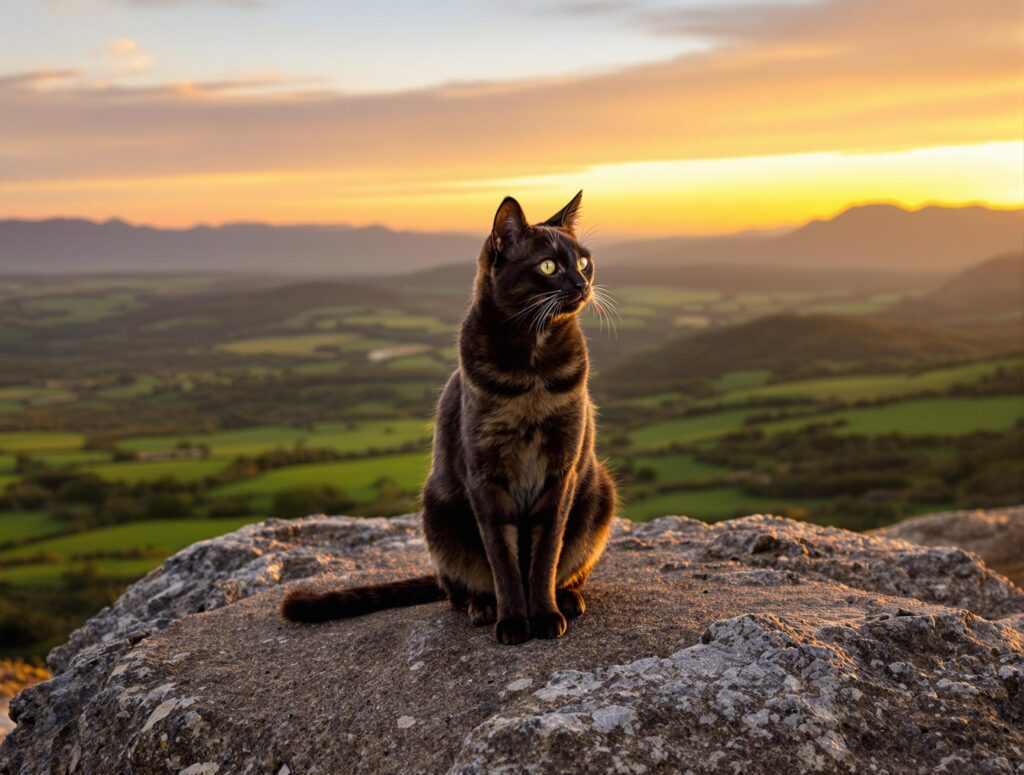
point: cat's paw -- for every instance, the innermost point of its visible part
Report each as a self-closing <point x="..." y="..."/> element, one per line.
<point x="548" y="625"/>
<point x="570" y="603"/>
<point x="512" y="630"/>
<point x="482" y="609"/>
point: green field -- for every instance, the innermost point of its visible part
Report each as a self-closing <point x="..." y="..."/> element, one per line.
<point x="344" y="438"/>
<point x="156" y="537"/>
<point x="73" y="458"/>
<point x="40" y="441"/>
<point x="687" y="430"/>
<point x="71" y="310"/>
<point x="860" y="386"/>
<point x="186" y="471"/>
<point x="301" y="345"/>
<point x="658" y="296"/>
<point x="711" y="504"/>
<point x="924" y="417"/>
<point x="19" y="525"/>
<point x="744" y="378"/>
<point x="357" y="478"/>
<point x="677" y="468"/>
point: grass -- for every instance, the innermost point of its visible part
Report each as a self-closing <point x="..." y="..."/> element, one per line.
<point x="924" y="417"/>
<point x="686" y="430"/>
<point x="398" y="320"/>
<point x="345" y="438"/>
<point x="48" y="574"/>
<point x="39" y="441"/>
<point x="159" y="538"/>
<point x="165" y="536"/>
<point x="302" y="345"/>
<point x="74" y="310"/>
<point x="678" y="468"/>
<point x="357" y="478"/>
<point x="654" y="400"/>
<point x="73" y="458"/>
<point x="710" y="504"/>
<point x="19" y="525"/>
<point x="657" y="296"/>
<point x="141" y="386"/>
<point x="185" y="471"/>
<point x="743" y="378"/>
<point x="861" y="386"/>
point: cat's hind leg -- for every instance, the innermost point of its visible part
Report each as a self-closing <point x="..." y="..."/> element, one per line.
<point x="483" y="609"/>
<point x="570" y="603"/>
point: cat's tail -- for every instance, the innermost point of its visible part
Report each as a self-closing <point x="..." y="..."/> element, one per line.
<point x="308" y="605"/>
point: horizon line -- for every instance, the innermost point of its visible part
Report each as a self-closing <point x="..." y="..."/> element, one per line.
<point x="771" y="231"/>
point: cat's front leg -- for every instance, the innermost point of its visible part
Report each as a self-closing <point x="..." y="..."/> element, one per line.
<point x="548" y="528"/>
<point x="500" y="538"/>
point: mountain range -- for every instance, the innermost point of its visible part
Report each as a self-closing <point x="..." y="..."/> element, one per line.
<point x="933" y="239"/>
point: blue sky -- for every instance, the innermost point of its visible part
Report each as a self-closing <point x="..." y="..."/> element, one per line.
<point x="350" y="46"/>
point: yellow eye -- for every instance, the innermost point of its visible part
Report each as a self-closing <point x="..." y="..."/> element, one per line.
<point x="547" y="266"/>
<point x="583" y="263"/>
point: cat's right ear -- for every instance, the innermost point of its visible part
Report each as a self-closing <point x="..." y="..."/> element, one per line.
<point x="509" y="225"/>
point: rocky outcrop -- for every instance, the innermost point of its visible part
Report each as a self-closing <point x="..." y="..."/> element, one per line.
<point x="759" y="645"/>
<point x="995" y="535"/>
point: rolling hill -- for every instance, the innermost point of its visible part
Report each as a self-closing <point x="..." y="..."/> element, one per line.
<point x="990" y="291"/>
<point x="802" y="345"/>
<point x="877" y="236"/>
<point x="729" y="278"/>
<point x="80" y="246"/>
<point x="936" y="240"/>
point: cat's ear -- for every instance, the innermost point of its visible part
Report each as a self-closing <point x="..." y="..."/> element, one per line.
<point x="566" y="217"/>
<point x="509" y="225"/>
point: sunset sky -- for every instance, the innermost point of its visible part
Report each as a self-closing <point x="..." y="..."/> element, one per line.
<point x="693" y="116"/>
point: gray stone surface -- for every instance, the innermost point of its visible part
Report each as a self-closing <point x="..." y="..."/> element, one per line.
<point x="995" y="535"/>
<point x="758" y="645"/>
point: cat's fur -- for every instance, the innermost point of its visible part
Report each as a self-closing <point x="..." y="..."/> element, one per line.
<point x="517" y="507"/>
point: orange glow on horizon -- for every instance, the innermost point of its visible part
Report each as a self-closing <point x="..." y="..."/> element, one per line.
<point x="639" y="198"/>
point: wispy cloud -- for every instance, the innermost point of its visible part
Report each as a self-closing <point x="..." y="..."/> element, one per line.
<point x="162" y="3"/>
<point x="856" y="76"/>
<point x="123" y="57"/>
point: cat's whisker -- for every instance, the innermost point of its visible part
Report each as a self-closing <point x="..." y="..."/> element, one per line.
<point x="547" y="311"/>
<point x="536" y="301"/>
<point x="607" y="301"/>
<point x="601" y="299"/>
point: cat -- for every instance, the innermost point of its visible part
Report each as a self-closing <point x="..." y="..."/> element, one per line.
<point x="517" y="507"/>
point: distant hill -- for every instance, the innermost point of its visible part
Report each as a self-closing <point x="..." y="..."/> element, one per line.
<point x="728" y="278"/>
<point x="935" y="240"/>
<point x="879" y="236"/>
<point x="802" y="345"/>
<point x="79" y="246"/>
<point x="990" y="291"/>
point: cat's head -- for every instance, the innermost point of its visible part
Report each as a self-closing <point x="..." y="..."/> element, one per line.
<point x="537" y="272"/>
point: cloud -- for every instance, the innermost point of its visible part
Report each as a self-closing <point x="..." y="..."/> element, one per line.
<point x="121" y="58"/>
<point x="861" y="75"/>
<point x="162" y="3"/>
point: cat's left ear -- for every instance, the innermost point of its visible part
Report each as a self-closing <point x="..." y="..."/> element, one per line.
<point x="509" y="225"/>
<point x="566" y="217"/>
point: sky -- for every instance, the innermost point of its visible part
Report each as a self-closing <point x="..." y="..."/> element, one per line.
<point x="674" y="116"/>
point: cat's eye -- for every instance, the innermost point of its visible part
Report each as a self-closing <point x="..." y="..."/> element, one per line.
<point x="583" y="262"/>
<point x="547" y="266"/>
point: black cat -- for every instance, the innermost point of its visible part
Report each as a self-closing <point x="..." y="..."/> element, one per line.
<point x="517" y="507"/>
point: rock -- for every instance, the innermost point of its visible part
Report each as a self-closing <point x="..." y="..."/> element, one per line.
<point x="995" y="535"/>
<point x="758" y="645"/>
